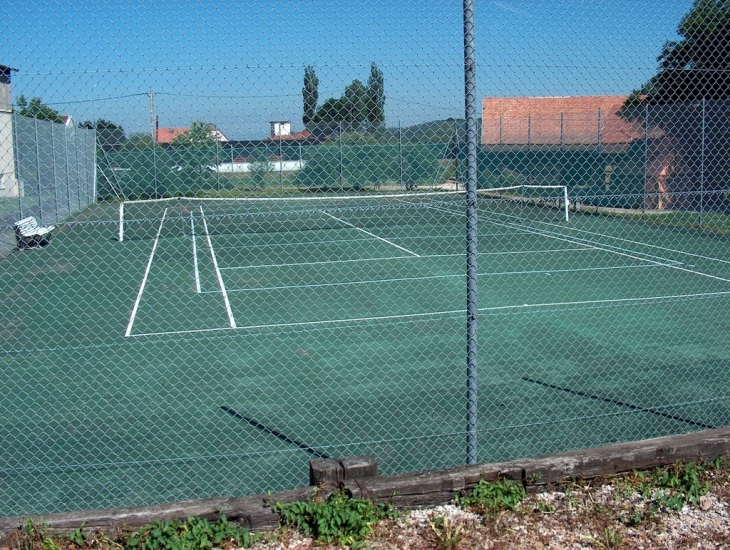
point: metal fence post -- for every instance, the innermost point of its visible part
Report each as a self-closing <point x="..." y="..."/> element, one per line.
<point x="646" y="156"/>
<point x="281" y="166"/>
<point x="339" y="125"/>
<point x="55" y="175"/>
<point x="217" y="164"/>
<point x="38" y="169"/>
<point x="18" y="180"/>
<point x="470" y="99"/>
<point x="400" y="156"/>
<point x="68" y="178"/>
<point x="702" y="167"/>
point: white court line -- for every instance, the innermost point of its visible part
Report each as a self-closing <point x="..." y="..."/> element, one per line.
<point x="666" y="249"/>
<point x="432" y="277"/>
<point x="327" y="262"/>
<point x="608" y="301"/>
<point x="128" y="332"/>
<point x="590" y="244"/>
<point x="371" y="234"/>
<point x="195" y="255"/>
<point x="461" y="255"/>
<point x="443" y="313"/>
<point x="608" y="248"/>
<point x="231" y="320"/>
<point x="308" y="199"/>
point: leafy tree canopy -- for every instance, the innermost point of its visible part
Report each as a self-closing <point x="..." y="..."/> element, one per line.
<point x="109" y="136"/>
<point x="199" y="136"/>
<point x="139" y="141"/>
<point x="696" y="66"/>
<point x="310" y="94"/>
<point x="358" y="105"/>
<point x="35" y="108"/>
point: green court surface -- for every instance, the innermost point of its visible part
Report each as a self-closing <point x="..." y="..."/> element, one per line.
<point x="342" y="327"/>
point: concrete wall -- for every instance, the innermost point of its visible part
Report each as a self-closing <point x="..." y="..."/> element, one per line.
<point x="9" y="184"/>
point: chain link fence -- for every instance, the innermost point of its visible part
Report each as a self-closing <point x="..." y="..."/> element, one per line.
<point x="291" y="230"/>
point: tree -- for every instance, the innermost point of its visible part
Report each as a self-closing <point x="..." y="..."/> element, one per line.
<point x="354" y="103"/>
<point x="331" y="111"/>
<point x="199" y="136"/>
<point x="359" y="104"/>
<point x="109" y="136"/>
<point x="35" y="108"/>
<point x="376" y="96"/>
<point x="139" y="141"/>
<point x="310" y="95"/>
<point x="695" y="67"/>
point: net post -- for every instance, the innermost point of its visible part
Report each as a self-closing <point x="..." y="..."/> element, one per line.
<point x="121" y="221"/>
<point x="565" y="198"/>
<point x="470" y="122"/>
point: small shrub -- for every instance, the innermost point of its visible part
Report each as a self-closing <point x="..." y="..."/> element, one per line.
<point x="446" y="533"/>
<point x="339" y="518"/>
<point x="488" y="498"/>
<point x="191" y="534"/>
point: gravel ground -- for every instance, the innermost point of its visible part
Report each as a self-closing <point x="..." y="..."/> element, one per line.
<point x="576" y="515"/>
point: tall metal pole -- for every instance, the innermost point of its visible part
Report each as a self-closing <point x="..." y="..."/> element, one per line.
<point x="38" y="170"/>
<point x="153" y="127"/>
<point x="470" y="116"/>
<point x="16" y="172"/>
<point x="702" y="166"/>
<point x="339" y="125"/>
<point x="400" y="156"/>
<point x="152" y="115"/>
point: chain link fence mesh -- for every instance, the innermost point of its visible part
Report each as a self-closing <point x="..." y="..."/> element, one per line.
<point x="260" y="237"/>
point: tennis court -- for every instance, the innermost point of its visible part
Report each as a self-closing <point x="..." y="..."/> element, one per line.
<point x="237" y="340"/>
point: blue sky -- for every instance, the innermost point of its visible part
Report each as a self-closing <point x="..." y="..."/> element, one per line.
<point x="240" y="64"/>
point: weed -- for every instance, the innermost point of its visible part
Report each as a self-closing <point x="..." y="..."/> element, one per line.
<point x="339" y="518"/>
<point x="610" y="539"/>
<point x="78" y="536"/>
<point x="487" y="498"/>
<point x="544" y="508"/>
<point x="447" y="534"/>
<point x="685" y="485"/>
<point x="192" y="534"/>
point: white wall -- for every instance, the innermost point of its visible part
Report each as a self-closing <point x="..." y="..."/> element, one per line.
<point x="9" y="184"/>
<point x="275" y="165"/>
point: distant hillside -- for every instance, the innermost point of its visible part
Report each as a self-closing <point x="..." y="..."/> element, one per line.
<point x="436" y="131"/>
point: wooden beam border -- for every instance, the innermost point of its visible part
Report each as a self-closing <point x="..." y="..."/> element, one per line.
<point x="408" y="490"/>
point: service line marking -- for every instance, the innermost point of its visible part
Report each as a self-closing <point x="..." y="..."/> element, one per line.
<point x="128" y="332"/>
<point x="231" y="320"/>
<point x="195" y="255"/>
<point x="371" y="234"/>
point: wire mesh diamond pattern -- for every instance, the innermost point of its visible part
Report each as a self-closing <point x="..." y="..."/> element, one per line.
<point x="236" y="238"/>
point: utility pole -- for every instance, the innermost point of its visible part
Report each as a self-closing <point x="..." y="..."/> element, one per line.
<point x="152" y="115"/>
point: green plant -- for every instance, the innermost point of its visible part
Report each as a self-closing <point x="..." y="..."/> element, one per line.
<point x="487" y="498"/>
<point x="611" y="539"/>
<point x="260" y="168"/>
<point x="339" y="518"/>
<point x="78" y="536"/>
<point x="446" y="533"/>
<point x="545" y="508"/>
<point x="193" y="533"/>
<point x="675" y="486"/>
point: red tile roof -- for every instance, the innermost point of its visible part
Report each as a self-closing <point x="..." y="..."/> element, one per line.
<point x="569" y="120"/>
<point x="166" y="135"/>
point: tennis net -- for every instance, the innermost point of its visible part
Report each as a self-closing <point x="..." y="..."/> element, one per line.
<point x="144" y="219"/>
